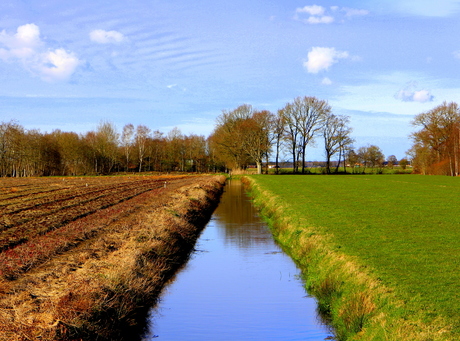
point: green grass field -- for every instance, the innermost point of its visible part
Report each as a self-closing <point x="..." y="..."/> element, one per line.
<point x="402" y="229"/>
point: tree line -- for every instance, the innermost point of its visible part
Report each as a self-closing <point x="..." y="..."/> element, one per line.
<point x="32" y="153"/>
<point x="245" y="135"/>
<point x="242" y="137"/>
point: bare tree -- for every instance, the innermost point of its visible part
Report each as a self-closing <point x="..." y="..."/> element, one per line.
<point x="277" y="136"/>
<point x="106" y="145"/>
<point x="195" y="146"/>
<point x="437" y="145"/>
<point x="351" y="159"/>
<point x="157" y="150"/>
<point x="291" y="132"/>
<point x="336" y="134"/>
<point x="304" y="118"/>
<point x="127" y="142"/>
<point x="10" y="148"/>
<point x="142" y="135"/>
<point x="371" y="156"/>
<point x="391" y="161"/>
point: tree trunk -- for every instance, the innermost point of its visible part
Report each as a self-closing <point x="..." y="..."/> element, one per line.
<point x="303" y="159"/>
<point x="259" y="167"/>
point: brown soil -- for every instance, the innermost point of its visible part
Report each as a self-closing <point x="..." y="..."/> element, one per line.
<point x="90" y="256"/>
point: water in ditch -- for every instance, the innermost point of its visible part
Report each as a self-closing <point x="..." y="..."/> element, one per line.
<point x="238" y="285"/>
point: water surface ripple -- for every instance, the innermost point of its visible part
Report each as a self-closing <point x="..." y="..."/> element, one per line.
<point x="238" y="285"/>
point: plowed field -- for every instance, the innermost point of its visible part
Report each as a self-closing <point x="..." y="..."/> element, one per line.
<point x="69" y="224"/>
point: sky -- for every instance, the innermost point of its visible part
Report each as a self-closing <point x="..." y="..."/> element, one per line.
<point x="71" y="65"/>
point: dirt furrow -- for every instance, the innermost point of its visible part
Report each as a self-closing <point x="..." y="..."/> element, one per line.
<point x="20" y="214"/>
<point x="21" y="233"/>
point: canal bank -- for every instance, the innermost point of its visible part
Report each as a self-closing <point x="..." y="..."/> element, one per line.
<point x="239" y="285"/>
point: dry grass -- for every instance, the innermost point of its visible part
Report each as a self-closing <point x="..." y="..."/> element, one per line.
<point x="104" y="287"/>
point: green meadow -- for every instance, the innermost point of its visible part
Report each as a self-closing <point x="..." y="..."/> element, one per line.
<point x="401" y="230"/>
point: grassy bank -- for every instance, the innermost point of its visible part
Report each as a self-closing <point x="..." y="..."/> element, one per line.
<point x="102" y="284"/>
<point x="379" y="252"/>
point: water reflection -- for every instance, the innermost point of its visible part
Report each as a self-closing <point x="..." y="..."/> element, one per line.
<point x="239" y="286"/>
<point x="238" y="219"/>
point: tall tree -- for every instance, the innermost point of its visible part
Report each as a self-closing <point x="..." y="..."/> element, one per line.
<point x="176" y="150"/>
<point x="157" y="150"/>
<point x="256" y="136"/>
<point x="71" y="152"/>
<point x="304" y="118"/>
<point x="228" y="137"/>
<point x="142" y="135"/>
<point x="277" y="136"/>
<point x="50" y="155"/>
<point x="291" y="131"/>
<point x="195" y="146"/>
<point x="311" y="113"/>
<point x="105" y="143"/>
<point x="127" y="143"/>
<point x="371" y="156"/>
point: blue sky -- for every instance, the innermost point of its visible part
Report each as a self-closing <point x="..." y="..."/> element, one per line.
<point x="71" y="64"/>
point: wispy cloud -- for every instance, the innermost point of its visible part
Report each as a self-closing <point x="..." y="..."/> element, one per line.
<point x="321" y="15"/>
<point x="322" y="58"/>
<point x="353" y="12"/>
<point x="106" y="37"/>
<point x="428" y="8"/>
<point x="27" y="48"/>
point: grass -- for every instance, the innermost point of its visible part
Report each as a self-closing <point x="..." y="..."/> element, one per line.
<point x="400" y="232"/>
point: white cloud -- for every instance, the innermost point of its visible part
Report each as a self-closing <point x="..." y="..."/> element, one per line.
<point x="423" y="96"/>
<point x="22" y="44"/>
<point x="106" y="37"/>
<point x="326" y="81"/>
<point x="27" y="48"/>
<point x="409" y="94"/>
<point x="316" y="15"/>
<point x="322" y="58"/>
<point x="456" y="54"/>
<point x="58" y="65"/>
<point x="312" y="10"/>
<point x="27" y="35"/>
